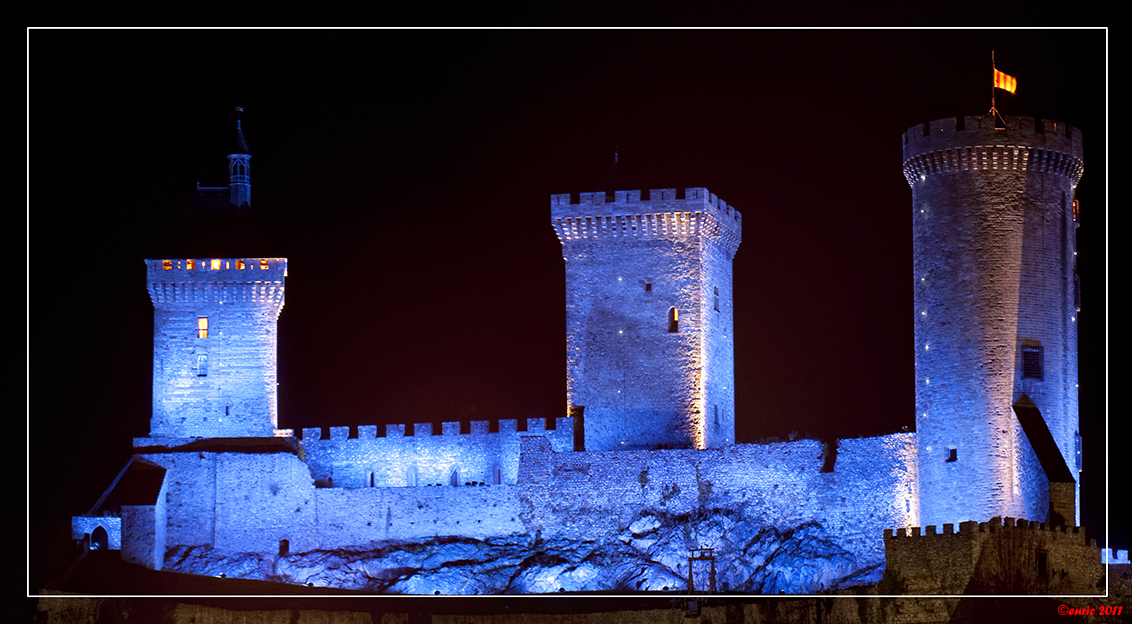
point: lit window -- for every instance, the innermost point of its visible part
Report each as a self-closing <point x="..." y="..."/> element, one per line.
<point x="202" y="327"/>
<point x="240" y="265"/>
<point x="190" y="264"/>
<point x="167" y="265"/>
<point x="263" y="264"/>
<point x="216" y="264"/>
<point x="673" y="320"/>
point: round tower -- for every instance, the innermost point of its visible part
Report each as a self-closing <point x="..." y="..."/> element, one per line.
<point x="994" y="246"/>
<point x="649" y="343"/>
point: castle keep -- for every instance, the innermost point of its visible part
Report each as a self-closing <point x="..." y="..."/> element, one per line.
<point x="649" y="424"/>
<point x="650" y="355"/>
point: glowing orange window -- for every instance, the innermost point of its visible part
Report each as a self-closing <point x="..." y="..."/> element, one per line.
<point x="202" y="327"/>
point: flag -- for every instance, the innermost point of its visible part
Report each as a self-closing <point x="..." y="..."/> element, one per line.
<point x="1003" y="81"/>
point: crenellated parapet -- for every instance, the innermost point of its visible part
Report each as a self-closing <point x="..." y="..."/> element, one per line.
<point x="994" y="525"/>
<point x="967" y="144"/>
<point x="196" y="281"/>
<point x="659" y="213"/>
<point x="1003" y="555"/>
<point x="458" y="453"/>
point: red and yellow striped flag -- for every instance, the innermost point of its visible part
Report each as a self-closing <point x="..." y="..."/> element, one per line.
<point x="1003" y="81"/>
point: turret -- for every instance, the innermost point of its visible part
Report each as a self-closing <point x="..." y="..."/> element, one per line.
<point x="240" y="168"/>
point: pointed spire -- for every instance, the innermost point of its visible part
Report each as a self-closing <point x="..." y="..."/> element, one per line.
<point x="240" y="167"/>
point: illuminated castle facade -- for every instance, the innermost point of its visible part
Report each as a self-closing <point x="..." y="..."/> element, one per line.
<point x="650" y="389"/>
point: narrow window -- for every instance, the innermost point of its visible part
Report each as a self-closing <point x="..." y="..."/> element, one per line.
<point x="284" y="547"/>
<point x="202" y="365"/>
<point x="454" y="478"/>
<point x="1032" y="363"/>
<point x="648" y="286"/>
<point x="1043" y="563"/>
<point x="411" y="476"/>
<point x="952" y="454"/>
<point x="496" y="476"/>
<point x="717" y="298"/>
<point x="673" y="320"/>
<point x="202" y="327"/>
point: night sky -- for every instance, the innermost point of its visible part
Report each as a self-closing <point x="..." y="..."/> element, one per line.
<point x="406" y="175"/>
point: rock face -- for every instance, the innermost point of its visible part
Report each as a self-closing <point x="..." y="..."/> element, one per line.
<point x="651" y="554"/>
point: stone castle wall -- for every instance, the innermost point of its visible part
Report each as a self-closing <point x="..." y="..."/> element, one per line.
<point x="468" y="452"/>
<point x="584" y="495"/>
<point x="1023" y="557"/>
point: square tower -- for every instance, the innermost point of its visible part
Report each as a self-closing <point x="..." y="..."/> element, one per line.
<point x="214" y="346"/>
<point x="650" y="355"/>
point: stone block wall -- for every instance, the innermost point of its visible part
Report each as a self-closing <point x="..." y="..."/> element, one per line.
<point x="358" y="517"/>
<point x="424" y="459"/>
<point x="586" y="495"/>
<point x="1001" y="556"/>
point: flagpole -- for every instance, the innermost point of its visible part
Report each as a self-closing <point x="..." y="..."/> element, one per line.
<point x="992" y="112"/>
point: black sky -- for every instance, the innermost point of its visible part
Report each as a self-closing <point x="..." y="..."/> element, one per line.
<point x="406" y="176"/>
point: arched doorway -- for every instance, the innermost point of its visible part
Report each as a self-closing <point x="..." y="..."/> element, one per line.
<point x="99" y="540"/>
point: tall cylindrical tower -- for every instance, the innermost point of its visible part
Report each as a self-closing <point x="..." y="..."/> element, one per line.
<point x="994" y="245"/>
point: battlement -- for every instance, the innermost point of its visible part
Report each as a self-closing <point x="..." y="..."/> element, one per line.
<point x="659" y="213"/>
<point x="450" y="428"/>
<point x="216" y="280"/>
<point x="1003" y="555"/>
<point x="962" y="144"/>
<point x="1121" y="557"/>
<point x="994" y="525"/>
<point x="459" y="453"/>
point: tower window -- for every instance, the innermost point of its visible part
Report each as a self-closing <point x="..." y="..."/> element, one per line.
<point x="673" y="320"/>
<point x="202" y="365"/>
<point x="952" y="454"/>
<point x="167" y="265"/>
<point x="215" y="264"/>
<point x="1032" y="363"/>
<point x="202" y="327"/>
<point x="717" y="298"/>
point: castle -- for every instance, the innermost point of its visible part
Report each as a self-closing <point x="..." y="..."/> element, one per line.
<point x="650" y="418"/>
